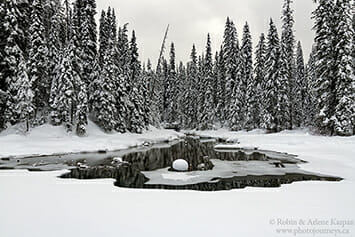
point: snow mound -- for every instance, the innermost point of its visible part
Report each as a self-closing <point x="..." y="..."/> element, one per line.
<point x="180" y="165"/>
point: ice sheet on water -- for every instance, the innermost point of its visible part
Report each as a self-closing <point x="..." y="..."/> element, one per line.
<point x="221" y="169"/>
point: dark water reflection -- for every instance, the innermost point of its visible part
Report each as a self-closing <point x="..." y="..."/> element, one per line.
<point x="198" y="153"/>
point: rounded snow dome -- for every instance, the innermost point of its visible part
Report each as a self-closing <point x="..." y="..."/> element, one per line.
<point x="180" y="165"/>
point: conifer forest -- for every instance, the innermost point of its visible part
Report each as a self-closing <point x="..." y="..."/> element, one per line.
<point x="58" y="65"/>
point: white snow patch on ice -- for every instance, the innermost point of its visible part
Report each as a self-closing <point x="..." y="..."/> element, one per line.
<point x="178" y="176"/>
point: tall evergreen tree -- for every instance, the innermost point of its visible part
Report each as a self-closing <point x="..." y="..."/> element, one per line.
<point x="135" y="65"/>
<point x="103" y="100"/>
<point x="163" y="73"/>
<point x="3" y="94"/>
<point x="88" y="35"/>
<point x="311" y="102"/>
<point x="325" y="77"/>
<point x="259" y="77"/>
<point x="103" y="37"/>
<point x="230" y="58"/>
<point x="283" y="109"/>
<point x="63" y="98"/>
<point x="123" y="82"/>
<point x="345" y="82"/>
<point x="12" y="57"/>
<point x="123" y="52"/>
<point x="271" y="80"/>
<point x="191" y="90"/>
<point x="250" y="107"/>
<point x="24" y="97"/>
<point x="288" y="51"/>
<point x="207" y="115"/>
<point x="136" y="109"/>
<point x="219" y="73"/>
<point x="181" y="79"/>
<point x="68" y="13"/>
<point x="55" y="43"/>
<point x="301" y="84"/>
<point x="170" y="89"/>
<point x="38" y="60"/>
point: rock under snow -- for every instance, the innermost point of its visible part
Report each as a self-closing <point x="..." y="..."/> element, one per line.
<point x="180" y="165"/>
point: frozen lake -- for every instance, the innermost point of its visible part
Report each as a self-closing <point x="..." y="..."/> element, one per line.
<point x="213" y="166"/>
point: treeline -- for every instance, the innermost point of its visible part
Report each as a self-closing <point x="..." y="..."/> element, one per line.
<point x="277" y="90"/>
<point x="55" y="67"/>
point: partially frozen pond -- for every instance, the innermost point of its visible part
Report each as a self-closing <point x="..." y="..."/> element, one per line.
<point x="211" y="167"/>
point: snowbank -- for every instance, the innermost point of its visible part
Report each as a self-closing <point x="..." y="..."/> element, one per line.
<point x="39" y="204"/>
<point x="47" y="139"/>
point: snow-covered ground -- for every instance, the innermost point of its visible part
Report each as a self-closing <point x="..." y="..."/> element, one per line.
<point x="40" y="204"/>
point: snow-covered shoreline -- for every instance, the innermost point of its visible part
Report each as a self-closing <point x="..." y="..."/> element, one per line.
<point x="316" y="150"/>
<point x="48" y="140"/>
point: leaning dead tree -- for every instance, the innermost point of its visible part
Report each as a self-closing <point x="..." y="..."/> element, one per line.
<point x="159" y="60"/>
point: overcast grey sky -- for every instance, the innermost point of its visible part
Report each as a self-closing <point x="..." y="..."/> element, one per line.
<point x="191" y="20"/>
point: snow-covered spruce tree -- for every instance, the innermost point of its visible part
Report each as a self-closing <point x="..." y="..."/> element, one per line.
<point x="301" y="101"/>
<point x="111" y="17"/>
<point x="219" y="86"/>
<point x="55" y="23"/>
<point x="180" y="102"/>
<point x="345" y="80"/>
<point x="63" y="94"/>
<point x="250" y="101"/>
<point x="123" y="54"/>
<point x="191" y="91"/>
<point x="88" y="35"/>
<point x="123" y="91"/>
<point x="103" y="100"/>
<point x="12" y="55"/>
<point x="24" y="96"/>
<point x="38" y="62"/>
<point x="77" y="21"/>
<point x="78" y="58"/>
<point x="311" y="99"/>
<point x="238" y="108"/>
<point x="185" y="97"/>
<point x="135" y="65"/>
<point x="163" y="73"/>
<point x="25" y="8"/>
<point x="270" y="83"/>
<point x="3" y="94"/>
<point x="55" y="42"/>
<point x="283" y="111"/>
<point x="95" y="75"/>
<point x="68" y="12"/>
<point x="136" y="111"/>
<point x="230" y="58"/>
<point x="149" y="110"/>
<point x="325" y="76"/>
<point x="207" y="116"/>
<point x="103" y="37"/>
<point x="169" y="115"/>
<point x="259" y="78"/>
<point x="215" y="83"/>
<point x="353" y="41"/>
<point x="82" y="106"/>
<point x="288" y="49"/>
<point x="3" y="37"/>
